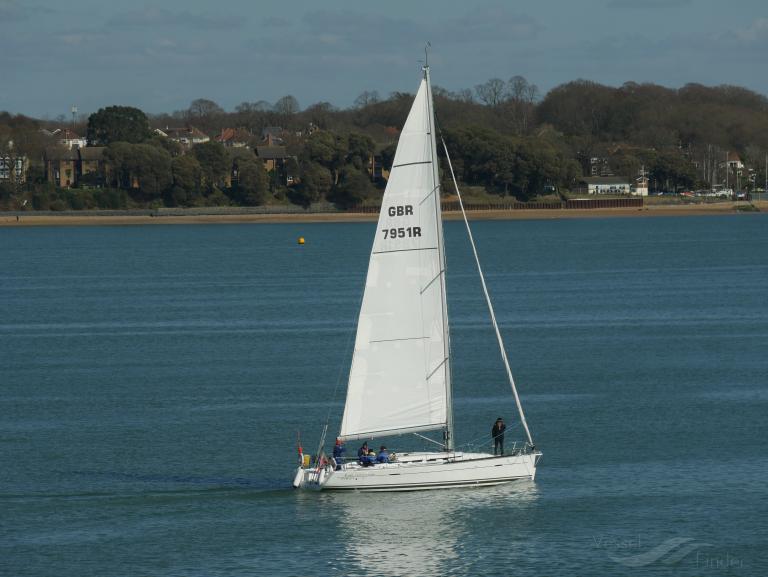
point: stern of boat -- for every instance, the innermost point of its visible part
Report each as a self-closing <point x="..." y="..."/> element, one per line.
<point x="311" y="477"/>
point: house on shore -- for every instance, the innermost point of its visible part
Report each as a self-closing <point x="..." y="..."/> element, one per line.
<point x="67" y="168"/>
<point x="375" y="164"/>
<point x="734" y="162"/>
<point x="640" y="186"/>
<point x="605" y="185"/>
<point x="187" y="136"/>
<point x="13" y="168"/>
<point x="66" y="137"/>
<point x="274" y="157"/>
<point x="92" y="168"/>
<point x="234" y="138"/>
<point x="272" y="136"/>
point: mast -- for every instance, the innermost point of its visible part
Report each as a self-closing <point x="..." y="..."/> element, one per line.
<point x="448" y="433"/>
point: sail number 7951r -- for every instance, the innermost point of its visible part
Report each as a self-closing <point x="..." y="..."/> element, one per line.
<point x="401" y="232"/>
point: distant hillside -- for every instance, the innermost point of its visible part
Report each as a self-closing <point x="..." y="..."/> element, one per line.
<point x="503" y="135"/>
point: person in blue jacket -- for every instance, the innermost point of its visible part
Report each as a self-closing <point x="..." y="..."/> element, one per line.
<point x="383" y="456"/>
<point x="338" y="453"/>
<point x="368" y="460"/>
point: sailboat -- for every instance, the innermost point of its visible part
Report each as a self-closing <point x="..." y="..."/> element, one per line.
<point x="400" y="377"/>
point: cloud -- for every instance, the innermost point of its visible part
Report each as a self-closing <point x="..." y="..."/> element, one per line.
<point x="162" y="17"/>
<point x="490" y="23"/>
<point x="276" y="22"/>
<point x="357" y="31"/>
<point x="346" y="34"/>
<point x="100" y="49"/>
<point x="11" y="10"/>
<point x="14" y="11"/>
<point x="73" y="39"/>
<point x="757" y="32"/>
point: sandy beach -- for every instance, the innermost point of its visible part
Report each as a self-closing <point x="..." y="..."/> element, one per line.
<point x="650" y="210"/>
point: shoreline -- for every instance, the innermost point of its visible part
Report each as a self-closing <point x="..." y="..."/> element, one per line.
<point x="127" y="219"/>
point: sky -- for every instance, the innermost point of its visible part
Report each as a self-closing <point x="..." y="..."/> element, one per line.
<point x="160" y="56"/>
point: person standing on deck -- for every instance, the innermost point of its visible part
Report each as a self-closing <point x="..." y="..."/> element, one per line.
<point x="338" y="453"/>
<point x="497" y="434"/>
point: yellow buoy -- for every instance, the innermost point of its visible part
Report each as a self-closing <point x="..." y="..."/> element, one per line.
<point x="301" y="240"/>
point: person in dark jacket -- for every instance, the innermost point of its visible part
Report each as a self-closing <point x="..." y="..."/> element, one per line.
<point x="497" y="434"/>
<point x="338" y="453"/>
<point x="362" y="452"/>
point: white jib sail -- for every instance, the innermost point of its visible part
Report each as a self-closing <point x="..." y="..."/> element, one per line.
<point x="399" y="379"/>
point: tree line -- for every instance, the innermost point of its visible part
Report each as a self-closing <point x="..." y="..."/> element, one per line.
<point x="504" y="136"/>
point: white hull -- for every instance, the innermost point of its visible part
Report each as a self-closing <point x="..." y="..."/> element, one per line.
<point x="422" y="471"/>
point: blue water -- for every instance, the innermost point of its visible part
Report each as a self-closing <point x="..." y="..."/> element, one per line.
<point x="153" y="380"/>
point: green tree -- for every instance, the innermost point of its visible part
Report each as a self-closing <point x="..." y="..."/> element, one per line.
<point x="483" y="157"/>
<point x="143" y="169"/>
<point x="671" y="171"/>
<point x="186" y="174"/>
<point x="624" y="163"/>
<point x="537" y="165"/>
<point x="118" y="124"/>
<point x="360" y="147"/>
<point x="328" y="149"/>
<point x="174" y="148"/>
<point x="315" y="184"/>
<point x="117" y="156"/>
<point x="110" y="198"/>
<point x="388" y="156"/>
<point x="153" y="168"/>
<point x="251" y="186"/>
<point x="354" y="186"/>
<point x="214" y="164"/>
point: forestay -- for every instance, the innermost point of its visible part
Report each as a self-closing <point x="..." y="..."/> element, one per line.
<point x="399" y="381"/>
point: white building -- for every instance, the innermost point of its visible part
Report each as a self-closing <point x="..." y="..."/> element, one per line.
<point x="187" y="136"/>
<point x="640" y="187"/>
<point x="608" y="185"/>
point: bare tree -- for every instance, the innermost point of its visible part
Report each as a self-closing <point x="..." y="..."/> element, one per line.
<point x="320" y="114"/>
<point x="367" y="98"/>
<point x="203" y="108"/>
<point x="521" y="90"/>
<point x="492" y="92"/>
<point x="259" y="106"/>
<point x="465" y="95"/>
<point x="287" y="105"/>
<point x="522" y="97"/>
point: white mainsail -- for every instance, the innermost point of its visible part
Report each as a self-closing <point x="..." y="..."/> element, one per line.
<point x="399" y="381"/>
